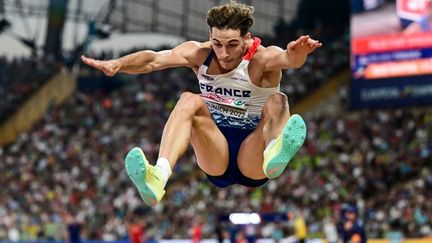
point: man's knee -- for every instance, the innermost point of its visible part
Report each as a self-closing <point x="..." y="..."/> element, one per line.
<point x="189" y="103"/>
<point x="277" y="101"/>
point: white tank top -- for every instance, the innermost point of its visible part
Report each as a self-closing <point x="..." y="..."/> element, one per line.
<point x="233" y="100"/>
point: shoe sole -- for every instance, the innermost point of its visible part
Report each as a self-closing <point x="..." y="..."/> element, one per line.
<point x="136" y="168"/>
<point x="292" y="138"/>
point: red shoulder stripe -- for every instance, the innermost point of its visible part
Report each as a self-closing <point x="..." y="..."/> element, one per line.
<point x="253" y="48"/>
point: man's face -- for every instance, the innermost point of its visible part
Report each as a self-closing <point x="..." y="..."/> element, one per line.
<point x="229" y="46"/>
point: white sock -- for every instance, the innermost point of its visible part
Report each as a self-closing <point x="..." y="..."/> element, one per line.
<point x="164" y="164"/>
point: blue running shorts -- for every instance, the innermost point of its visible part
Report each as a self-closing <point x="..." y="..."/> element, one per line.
<point x="233" y="175"/>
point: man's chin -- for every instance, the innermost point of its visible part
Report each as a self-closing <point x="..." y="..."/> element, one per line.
<point x="227" y="66"/>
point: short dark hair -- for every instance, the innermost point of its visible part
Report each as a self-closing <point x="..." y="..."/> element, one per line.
<point x="232" y="15"/>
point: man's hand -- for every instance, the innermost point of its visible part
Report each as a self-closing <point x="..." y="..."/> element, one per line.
<point x="109" y="67"/>
<point x="303" y="45"/>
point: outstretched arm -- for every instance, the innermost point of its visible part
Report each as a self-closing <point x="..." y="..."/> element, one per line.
<point x="147" y="61"/>
<point x="293" y="57"/>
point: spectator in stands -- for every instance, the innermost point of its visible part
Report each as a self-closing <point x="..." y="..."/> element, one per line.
<point x="73" y="230"/>
<point x="300" y="227"/>
<point x="277" y="234"/>
<point x="330" y="230"/>
<point x="352" y="230"/>
<point x="219" y="231"/>
<point x="250" y="231"/>
<point x="13" y="233"/>
<point x="136" y="231"/>
<point x="196" y="231"/>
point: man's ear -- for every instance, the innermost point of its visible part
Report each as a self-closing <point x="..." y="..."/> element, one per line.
<point x="247" y="37"/>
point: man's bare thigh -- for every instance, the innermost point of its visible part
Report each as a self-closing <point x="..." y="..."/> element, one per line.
<point x="250" y="157"/>
<point x="209" y="144"/>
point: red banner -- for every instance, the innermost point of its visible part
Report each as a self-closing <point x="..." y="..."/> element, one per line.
<point x="391" y="43"/>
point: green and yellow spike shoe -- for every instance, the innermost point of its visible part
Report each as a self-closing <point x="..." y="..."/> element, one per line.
<point x="146" y="178"/>
<point x="284" y="147"/>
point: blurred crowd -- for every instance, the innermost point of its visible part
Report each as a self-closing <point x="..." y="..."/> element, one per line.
<point x="19" y="78"/>
<point x="70" y="165"/>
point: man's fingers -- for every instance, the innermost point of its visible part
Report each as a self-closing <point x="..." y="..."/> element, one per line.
<point x="85" y="59"/>
<point x="88" y="61"/>
<point x="303" y="39"/>
<point x="305" y="43"/>
<point x="314" y="44"/>
<point x="91" y="62"/>
<point x="292" y="45"/>
<point x="309" y="42"/>
<point x="105" y="66"/>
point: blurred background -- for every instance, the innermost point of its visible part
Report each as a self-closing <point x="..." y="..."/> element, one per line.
<point x="366" y="96"/>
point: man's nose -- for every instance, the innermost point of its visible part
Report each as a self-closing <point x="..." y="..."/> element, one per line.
<point x="224" y="53"/>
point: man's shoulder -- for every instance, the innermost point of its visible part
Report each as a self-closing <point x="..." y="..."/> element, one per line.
<point x="266" y="51"/>
<point x="196" y="50"/>
<point x="195" y="46"/>
<point x="205" y="48"/>
<point x="260" y="55"/>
